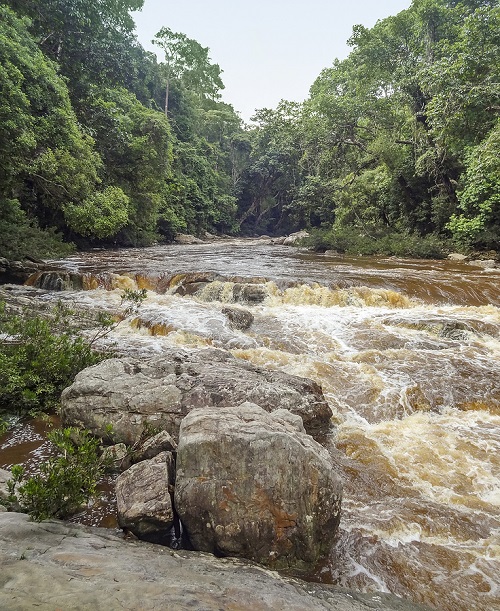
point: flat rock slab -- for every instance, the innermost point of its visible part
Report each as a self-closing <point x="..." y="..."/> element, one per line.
<point x="133" y="395"/>
<point x="54" y="565"/>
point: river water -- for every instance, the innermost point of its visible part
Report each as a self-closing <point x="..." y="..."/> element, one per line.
<point x="408" y="355"/>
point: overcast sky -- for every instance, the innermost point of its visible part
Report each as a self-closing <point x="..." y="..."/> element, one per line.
<point x="268" y="49"/>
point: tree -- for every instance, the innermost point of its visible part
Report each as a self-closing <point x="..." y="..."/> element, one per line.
<point x="46" y="160"/>
<point x="478" y="220"/>
<point x="89" y="39"/>
<point x="188" y="61"/>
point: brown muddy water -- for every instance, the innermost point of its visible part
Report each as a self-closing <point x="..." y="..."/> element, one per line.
<point x="408" y="355"/>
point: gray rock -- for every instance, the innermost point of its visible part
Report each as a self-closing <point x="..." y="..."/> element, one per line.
<point x="239" y="318"/>
<point x="161" y="442"/>
<point x="254" y="485"/>
<point x="294" y="238"/>
<point x="143" y="498"/>
<point x="187" y="239"/>
<point x="133" y="395"/>
<point x="484" y="263"/>
<point x="17" y="272"/>
<point x="117" y="457"/>
<point x="54" y="565"/>
<point x="456" y="256"/>
<point x="5" y="476"/>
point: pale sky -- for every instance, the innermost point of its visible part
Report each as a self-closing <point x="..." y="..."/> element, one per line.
<point x="269" y="50"/>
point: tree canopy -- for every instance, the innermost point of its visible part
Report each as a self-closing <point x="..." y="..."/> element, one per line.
<point x="101" y="143"/>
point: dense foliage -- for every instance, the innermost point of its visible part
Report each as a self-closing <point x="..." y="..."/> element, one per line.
<point x="398" y="141"/>
<point x="102" y="144"/>
<point x="88" y="153"/>
<point x="38" y="360"/>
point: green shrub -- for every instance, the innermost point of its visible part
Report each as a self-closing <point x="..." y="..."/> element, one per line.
<point x="65" y="482"/>
<point x="353" y="241"/>
<point x="37" y="362"/>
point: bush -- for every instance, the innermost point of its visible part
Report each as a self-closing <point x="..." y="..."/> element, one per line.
<point x="37" y="363"/>
<point x="353" y="241"/>
<point x="65" y="482"/>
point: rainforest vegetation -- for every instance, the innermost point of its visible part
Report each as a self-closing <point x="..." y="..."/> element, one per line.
<point x="396" y="149"/>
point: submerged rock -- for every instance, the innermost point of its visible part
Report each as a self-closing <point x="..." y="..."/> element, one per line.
<point x="255" y="485"/>
<point x="132" y="395"/>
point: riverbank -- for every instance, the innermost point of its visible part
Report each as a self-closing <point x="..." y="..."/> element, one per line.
<point x="55" y="565"/>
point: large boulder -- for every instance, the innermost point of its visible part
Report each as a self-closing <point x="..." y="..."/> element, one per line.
<point x="161" y="442"/>
<point x="254" y="485"/>
<point x="143" y="500"/>
<point x="133" y="395"/>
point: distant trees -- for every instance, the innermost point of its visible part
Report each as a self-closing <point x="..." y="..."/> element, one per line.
<point x="87" y="151"/>
<point x="101" y="144"/>
<point x="399" y="138"/>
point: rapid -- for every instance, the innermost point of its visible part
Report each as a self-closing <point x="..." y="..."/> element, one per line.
<point x="408" y="355"/>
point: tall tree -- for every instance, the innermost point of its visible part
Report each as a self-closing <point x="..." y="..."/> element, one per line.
<point x="186" y="60"/>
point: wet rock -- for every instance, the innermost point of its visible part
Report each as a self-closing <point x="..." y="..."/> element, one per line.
<point x="132" y="395"/>
<point x="179" y="283"/>
<point x="484" y="263"/>
<point x="238" y="318"/>
<point x="161" y="442"/>
<point x="458" y="330"/>
<point x="5" y="476"/>
<point x="191" y="288"/>
<point x="278" y="241"/>
<point x="456" y="256"/>
<point x="331" y="253"/>
<point x="117" y="457"/>
<point x="294" y="238"/>
<point x="54" y="565"/>
<point x="254" y="485"/>
<point x="143" y="499"/>
<point x="187" y="239"/>
<point x="56" y="281"/>
<point x="17" y="272"/>
<point x="249" y="293"/>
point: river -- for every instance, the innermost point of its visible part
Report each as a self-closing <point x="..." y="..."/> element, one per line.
<point x="408" y="355"/>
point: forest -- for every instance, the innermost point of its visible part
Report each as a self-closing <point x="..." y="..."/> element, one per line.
<point x="395" y="151"/>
